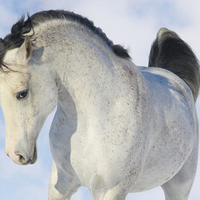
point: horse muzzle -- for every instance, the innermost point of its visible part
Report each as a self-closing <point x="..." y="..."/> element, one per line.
<point x="21" y="158"/>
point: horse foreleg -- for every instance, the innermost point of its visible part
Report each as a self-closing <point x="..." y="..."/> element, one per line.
<point x="100" y="191"/>
<point x="178" y="188"/>
<point x="61" y="186"/>
<point x="114" y="194"/>
<point x="53" y="192"/>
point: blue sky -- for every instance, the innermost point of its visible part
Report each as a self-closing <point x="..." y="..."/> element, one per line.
<point x="131" y="23"/>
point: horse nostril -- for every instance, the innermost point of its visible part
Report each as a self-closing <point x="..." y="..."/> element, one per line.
<point x="23" y="160"/>
<point x="20" y="158"/>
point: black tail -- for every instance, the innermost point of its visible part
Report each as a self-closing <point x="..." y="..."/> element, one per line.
<point x="170" y="52"/>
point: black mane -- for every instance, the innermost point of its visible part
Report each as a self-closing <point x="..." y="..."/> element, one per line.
<point x="15" y="39"/>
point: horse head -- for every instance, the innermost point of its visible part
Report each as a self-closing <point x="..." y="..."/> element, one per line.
<point x="28" y="95"/>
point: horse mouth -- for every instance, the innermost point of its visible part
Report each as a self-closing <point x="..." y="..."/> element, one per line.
<point x="34" y="158"/>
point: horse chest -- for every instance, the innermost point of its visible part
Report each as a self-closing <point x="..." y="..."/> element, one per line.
<point x="106" y="155"/>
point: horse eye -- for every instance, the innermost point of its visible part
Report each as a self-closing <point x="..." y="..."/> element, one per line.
<point x="22" y="95"/>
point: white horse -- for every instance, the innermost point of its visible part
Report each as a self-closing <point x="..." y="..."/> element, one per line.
<point x="118" y="128"/>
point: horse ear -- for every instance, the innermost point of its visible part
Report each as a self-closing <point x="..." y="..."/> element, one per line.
<point x="24" y="52"/>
